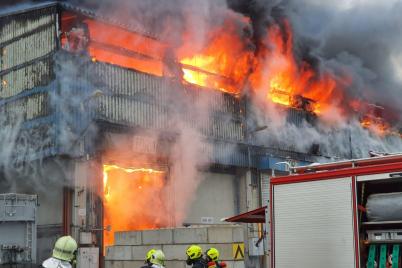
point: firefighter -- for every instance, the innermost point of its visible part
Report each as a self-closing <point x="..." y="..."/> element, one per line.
<point x="157" y="259"/>
<point x="212" y="258"/>
<point x="194" y="257"/>
<point x="64" y="253"/>
<point x="148" y="258"/>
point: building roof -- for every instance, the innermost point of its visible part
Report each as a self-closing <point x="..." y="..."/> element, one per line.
<point x="85" y="11"/>
<point x="25" y="7"/>
<point x="99" y="15"/>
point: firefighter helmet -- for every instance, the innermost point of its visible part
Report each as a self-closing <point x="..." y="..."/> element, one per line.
<point x="158" y="257"/>
<point x="213" y="254"/>
<point x="65" y="248"/>
<point x="149" y="254"/>
<point x="194" y="252"/>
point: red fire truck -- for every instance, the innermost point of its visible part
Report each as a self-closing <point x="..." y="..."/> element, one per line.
<point x="345" y="214"/>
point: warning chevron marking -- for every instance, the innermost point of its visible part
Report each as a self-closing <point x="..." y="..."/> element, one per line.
<point x="238" y="251"/>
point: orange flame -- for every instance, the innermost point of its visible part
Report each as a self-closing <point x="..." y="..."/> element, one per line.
<point x="117" y="46"/>
<point x="227" y="60"/>
<point x="131" y="199"/>
<point x="282" y="78"/>
<point x="223" y="63"/>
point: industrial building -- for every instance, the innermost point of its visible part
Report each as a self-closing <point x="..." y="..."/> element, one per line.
<point x="79" y="123"/>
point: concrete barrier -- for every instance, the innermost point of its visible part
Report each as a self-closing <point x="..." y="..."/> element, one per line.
<point x="168" y="264"/>
<point x="131" y="247"/>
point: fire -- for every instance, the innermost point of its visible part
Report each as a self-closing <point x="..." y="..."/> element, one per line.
<point x="281" y="78"/>
<point x="227" y="59"/>
<point x="194" y="72"/>
<point x="223" y="63"/>
<point x="372" y="118"/>
<point x="117" y="46"/>
<point x="112" y="44"/>
<point x="132" y="199"/>
<point x="376" y="125"/>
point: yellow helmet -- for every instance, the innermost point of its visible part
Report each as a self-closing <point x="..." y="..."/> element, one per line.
<point x="194" y="252"/>
<point x="158" y="257"/>
<point x="149" y="254"/>
<point x="65" y="248"/>
<point x="213" y="254"/>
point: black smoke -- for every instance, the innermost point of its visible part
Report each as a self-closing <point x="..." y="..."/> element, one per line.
<point x="360" y="38"/>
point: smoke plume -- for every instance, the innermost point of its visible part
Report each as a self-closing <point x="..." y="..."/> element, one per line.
<point x="354" y="41"/>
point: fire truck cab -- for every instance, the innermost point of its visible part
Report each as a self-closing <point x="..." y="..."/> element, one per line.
<point x="345" y="214"/>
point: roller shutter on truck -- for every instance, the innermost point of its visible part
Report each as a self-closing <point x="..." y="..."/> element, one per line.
<point x="313" y="224"/>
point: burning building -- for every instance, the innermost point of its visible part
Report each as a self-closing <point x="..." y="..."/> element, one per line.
<point x="116" y="130"/>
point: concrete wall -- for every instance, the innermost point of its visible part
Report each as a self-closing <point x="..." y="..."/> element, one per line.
<point x="130" y="247"/>
<point x="216" y="188"/>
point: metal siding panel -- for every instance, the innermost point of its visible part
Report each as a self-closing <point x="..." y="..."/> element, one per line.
<point x="147" y="118"/>
<point x="118" y="109"/>
<point x="113" y="107"/>
<point x="313" y="224"/>
<point x="106" y="105"/>
<point x="28" y="48"/>
<point x="227" y="154"/>
<point x="131" y="83"/>
<point x="130" y="112"/>
<point x="29" y="107"/>
<point x="37" y="74"/>
<point x="140" y="115"/>
<point x="151" y="95"/>
<point x="265" y="189"/>
<point x="17" y="25"/>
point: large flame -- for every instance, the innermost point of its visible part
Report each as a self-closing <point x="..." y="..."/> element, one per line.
<point x="223" y="62"/>
<point x="282" y="79"/>
<point x="133" y="200"/>
<point x="227" y="59"/>
<point x="117" y="46"/>
<point x="372" y="118"/>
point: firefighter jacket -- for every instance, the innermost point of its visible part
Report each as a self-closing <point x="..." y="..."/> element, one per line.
<point x="55" y="263"/>
<point x="200" y="263"/>
<point x="215" y="264"/>
<point x="150" y="265"/>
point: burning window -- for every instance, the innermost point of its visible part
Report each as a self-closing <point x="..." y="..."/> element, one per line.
<point x="112" y="44"/>
<point x="225" y="57"/>
<point x="133" y="199"/>
<point x="223" y="64"/>
<point x="225" y="60"/>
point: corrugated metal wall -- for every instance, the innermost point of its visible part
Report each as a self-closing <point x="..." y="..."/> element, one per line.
<point x="36" y="74"/>
<point x="128" y="83"/>
<point x="29" y="107"/>
<point x="27" y="48"/>
<point x="137" y="99"/>
<point x="14" y="26"/>
<point x="132" y="113"/>
<point x="298" y="116"/>
<point x="28" y="41"/>
<point x="133" y="99"/>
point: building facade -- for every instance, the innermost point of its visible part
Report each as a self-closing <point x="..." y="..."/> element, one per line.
<point x="79" y="112"/>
